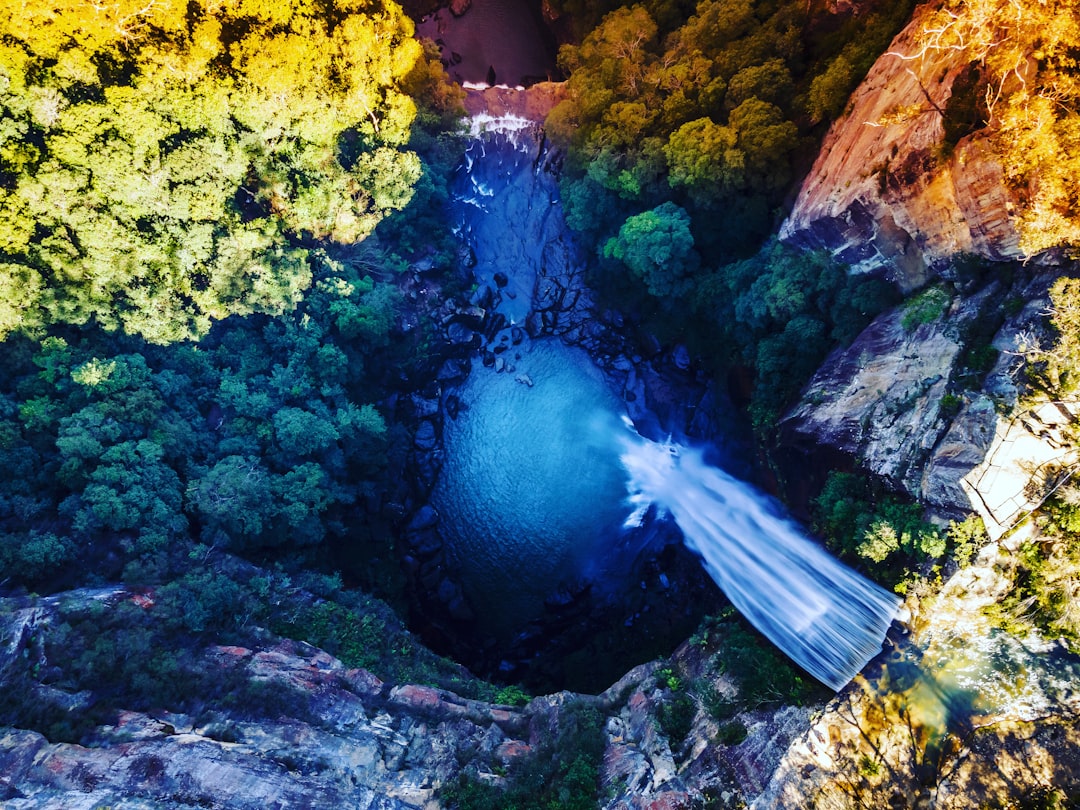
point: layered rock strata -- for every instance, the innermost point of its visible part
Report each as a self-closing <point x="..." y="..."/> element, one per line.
<point x="884" y="194"/>
<point x="904" y="403"/>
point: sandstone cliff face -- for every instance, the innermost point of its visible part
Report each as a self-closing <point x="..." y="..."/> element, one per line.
<point x="882" y="196"/>
<point x="355" y="742"/>
<point x="887" y="197"/>
<point x="903" y="404"/>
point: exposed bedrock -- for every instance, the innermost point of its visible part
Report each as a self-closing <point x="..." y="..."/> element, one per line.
<point x="905" y="402"/>
<point x="889" y="197"/>
<point x="884" y="195"/>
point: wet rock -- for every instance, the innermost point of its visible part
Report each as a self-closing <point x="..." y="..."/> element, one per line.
<point x="426" y="517"/>
<point x="427" y="465"/>
<point x="534" y="326"/>
<point x="459" y="609"/>
<point x="500" y="278"/>
<point x="462" y="336"/>
<point x="501" y="345"/>
<point x="550" y="295"/>
<point x="425" y="544"/>
<point x="482" y="297"/>
<point x="454" y="371"/>
<point x="494" y="325"/>
<point x="426" y="435"/>
<point x="680" y="356"/>
<point x="472" y="318"/>
<point x="447" y="591"/>
<point x="431" y="574"/>
<point x="424" y="407"/>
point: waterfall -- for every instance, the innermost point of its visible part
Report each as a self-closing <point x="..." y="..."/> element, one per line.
<point x="830" y="620"/>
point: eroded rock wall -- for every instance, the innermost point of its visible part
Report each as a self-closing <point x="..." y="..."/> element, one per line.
<point x="884" y="195"/>
<point x="903" y="402"/>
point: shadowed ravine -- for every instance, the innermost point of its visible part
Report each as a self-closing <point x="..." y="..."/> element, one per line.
<point x="539" y="477"/>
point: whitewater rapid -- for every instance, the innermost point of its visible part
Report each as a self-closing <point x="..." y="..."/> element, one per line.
<point x="826" y="617"/>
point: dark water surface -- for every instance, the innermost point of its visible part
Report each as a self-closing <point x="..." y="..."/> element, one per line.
<point x="532" y="495"/>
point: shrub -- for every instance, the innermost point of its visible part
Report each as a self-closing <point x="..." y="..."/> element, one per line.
<point x="732" y="733"/>
<point x="677" y="716"/>
<point x="926" y="307"/>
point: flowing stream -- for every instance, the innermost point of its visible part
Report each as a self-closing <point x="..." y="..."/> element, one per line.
<point x="830" y="620"/>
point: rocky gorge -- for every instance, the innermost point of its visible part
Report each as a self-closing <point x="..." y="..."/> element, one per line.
<point x="527" y="289"/>
<point x="908" y="401"/>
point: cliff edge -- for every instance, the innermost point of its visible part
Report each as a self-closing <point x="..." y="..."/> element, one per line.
<point x="886" y="195"/>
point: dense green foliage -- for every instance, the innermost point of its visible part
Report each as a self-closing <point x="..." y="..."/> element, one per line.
<point x="207" y="174"/>
<point x="685" y="124"/>
<point x="167" y="164"/>
<point x="1055" y="370"/>
<point x="762" y="674"/>
<point x="126" y="454"/>
<point x="1046" y="574"/>
<point x="703" y="107"/>
<point x="886" y="534"/>
<point x="779" y="313"/>
<point x="561" y="774"/>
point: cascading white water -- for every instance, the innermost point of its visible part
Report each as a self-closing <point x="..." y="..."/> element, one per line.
<point x="830" y="620"/>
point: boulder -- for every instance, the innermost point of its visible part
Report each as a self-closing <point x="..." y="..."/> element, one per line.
<point x="426" y="435"/>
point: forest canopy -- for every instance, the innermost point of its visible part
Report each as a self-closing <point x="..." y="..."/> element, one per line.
<point x="165" y="164"/>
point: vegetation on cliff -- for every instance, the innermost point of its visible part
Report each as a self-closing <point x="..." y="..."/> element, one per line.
<point x="1046" y="568"/>
<point x="1021" y="91"/>
<point x="685" y="126"/>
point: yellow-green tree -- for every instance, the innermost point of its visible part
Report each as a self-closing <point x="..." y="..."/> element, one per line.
<point x="162" y="163"/>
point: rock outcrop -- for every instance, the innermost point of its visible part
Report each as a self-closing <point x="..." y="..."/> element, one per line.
<point x="945" y="720"/>
<point x="904" y="403"/>
<point x="884" y="195"/>
<point x="888" y="196"/>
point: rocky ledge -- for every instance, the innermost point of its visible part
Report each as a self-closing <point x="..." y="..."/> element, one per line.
<point x="351" y="740"/>
<point x="915" y="404"/>
<point x="957" y="715"/>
